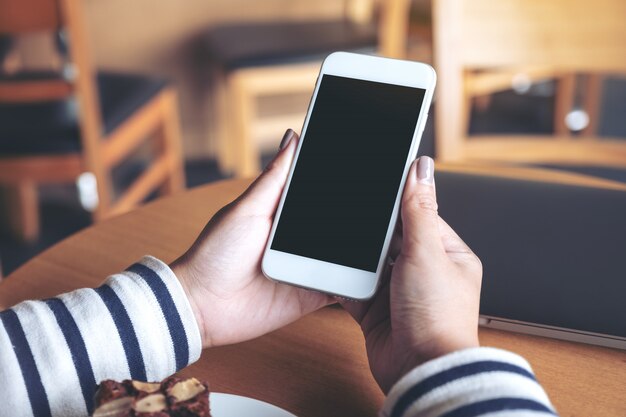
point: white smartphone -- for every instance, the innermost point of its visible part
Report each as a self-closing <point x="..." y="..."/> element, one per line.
<point x="337" y="213"/>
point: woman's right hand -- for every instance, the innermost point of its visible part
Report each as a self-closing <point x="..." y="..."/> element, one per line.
<point x="428" y="303"/>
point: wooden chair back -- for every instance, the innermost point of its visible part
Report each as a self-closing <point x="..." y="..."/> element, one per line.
<point x="474" y="37"/>
<point x="25" y="16"/>
<point x="18" y="17"/>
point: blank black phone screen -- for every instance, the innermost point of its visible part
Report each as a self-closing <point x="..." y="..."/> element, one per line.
<point x="348" y="173"/>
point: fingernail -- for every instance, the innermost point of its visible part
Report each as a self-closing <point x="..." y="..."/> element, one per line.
<point x="289" y="134"/>
<point x="426" y="170"/>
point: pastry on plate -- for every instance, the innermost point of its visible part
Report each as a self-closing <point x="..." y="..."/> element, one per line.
<point x="174" y="396"/>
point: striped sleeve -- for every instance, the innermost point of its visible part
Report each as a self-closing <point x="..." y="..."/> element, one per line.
<point x="469" y="383"/>
<point x="53" y="353"/>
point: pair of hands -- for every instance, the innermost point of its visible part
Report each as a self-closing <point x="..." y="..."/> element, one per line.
<point x="427" y="305"/>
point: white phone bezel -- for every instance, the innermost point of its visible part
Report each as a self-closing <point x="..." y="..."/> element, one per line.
<point x="324" y="276"/>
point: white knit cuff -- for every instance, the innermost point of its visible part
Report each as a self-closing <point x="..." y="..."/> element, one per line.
<point x="479" y="378"/>
<point x="176" y="313"/>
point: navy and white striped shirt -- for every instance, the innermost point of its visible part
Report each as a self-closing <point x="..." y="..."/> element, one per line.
<point x="139" y="325"/>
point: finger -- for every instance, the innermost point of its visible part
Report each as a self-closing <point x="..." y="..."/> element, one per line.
<point x="372" y="312"/>
<point x="360" y="309"/>
<point x="458" y="251"/>
<point x="379" y="311"/>
<point x="263" y="194"/>
<point x="357" y="309"/>
<point x="313" y="300"/>
<point x="419" y="210"/>
<point x="452" y="242"/>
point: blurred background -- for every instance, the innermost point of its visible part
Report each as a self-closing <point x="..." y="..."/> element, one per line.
<point x="105" y="105"/>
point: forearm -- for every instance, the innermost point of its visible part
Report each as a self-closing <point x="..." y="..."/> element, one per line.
<point x="137" y="325"/>
<point x="472" y="382"/>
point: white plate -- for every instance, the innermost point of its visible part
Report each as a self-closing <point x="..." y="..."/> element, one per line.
<point x="228" y="405"/>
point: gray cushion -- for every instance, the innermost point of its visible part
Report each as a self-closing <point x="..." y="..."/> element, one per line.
<point x="52" y="127"/>
<point x="256" y="44"/>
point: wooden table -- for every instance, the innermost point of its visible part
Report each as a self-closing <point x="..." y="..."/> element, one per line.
<point x="316" y="366"/>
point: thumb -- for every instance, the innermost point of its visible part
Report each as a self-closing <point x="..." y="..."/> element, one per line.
<point x="419" y="210"/>
<point x="263" y="194"/>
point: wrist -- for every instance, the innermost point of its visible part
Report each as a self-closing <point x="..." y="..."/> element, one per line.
<point x="188" y="281"/>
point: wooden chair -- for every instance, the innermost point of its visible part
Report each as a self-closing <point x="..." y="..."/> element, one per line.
<point x="54" y="127"/>
<point x="480" y="44"/>
<point x="281" y="58"/>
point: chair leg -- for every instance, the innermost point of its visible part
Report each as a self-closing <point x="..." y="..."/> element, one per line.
<point x="466" y="109"/>
<point x="565" y="92"/>
<point x="592" y="103"/>
<point x="172" y="143"/>
<point x="23" y="211"/>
